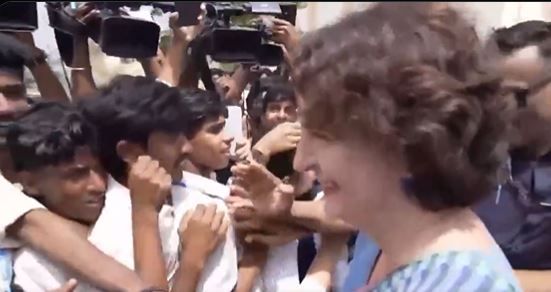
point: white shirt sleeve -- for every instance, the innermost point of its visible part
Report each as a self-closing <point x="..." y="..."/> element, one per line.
<point x="13" y="204"/>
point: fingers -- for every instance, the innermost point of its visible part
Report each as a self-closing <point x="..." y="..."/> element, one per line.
<point x="238" y="191"/>
<point x="185" y="220"/>
<point x="238" y="201"/>
<point x="223" y="229"/>
<point x="281" y="22"/>
<point x="69" y="286"/>
<point x="209" y="213"/>
<point x="217" y="220"/>
<point x="90" y="15"/>
<point x="199" y="212"/>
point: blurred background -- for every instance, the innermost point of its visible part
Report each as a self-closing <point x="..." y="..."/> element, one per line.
<point x="310" y="16"/>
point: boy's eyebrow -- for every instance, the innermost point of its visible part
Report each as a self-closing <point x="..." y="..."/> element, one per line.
<point x="218" y="125"/>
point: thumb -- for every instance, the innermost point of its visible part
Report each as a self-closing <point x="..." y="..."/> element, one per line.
<point x="69" y="286"/>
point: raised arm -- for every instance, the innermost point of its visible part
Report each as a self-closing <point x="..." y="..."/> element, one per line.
<point x="175" y="57"/>
<point x="48" y="84"/>
<point x="200" y="232"/>
<point x="82" y="80"/>
<point x="149" y="186"/>
<point x="53" y="237"/>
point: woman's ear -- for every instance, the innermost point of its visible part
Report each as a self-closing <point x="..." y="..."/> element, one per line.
<point x="129" y="152"/>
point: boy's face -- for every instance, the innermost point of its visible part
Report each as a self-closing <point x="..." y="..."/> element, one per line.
<point x="171" y="150"/>
<point x="13" y="102"/>
<point x="211" y="145"/>
<point x="279" y="112"/>
<point x="74" y="190"/>
<point x="13" y="97"/>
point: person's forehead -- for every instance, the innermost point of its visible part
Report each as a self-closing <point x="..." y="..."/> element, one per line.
<point x="525" y="65"/>
<point x="7" y="78"/>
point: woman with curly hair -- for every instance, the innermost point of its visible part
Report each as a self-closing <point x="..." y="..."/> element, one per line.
<point x="406" y="128"/>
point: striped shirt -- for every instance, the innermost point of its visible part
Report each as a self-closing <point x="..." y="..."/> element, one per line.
<point x="469" y="271"/>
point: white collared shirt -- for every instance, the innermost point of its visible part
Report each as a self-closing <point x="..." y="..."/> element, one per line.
<point x="13" y="205"/>
<point x="112" y="234"/>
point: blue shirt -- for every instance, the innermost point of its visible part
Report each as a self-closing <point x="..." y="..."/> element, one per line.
<point x="519" y="215"/>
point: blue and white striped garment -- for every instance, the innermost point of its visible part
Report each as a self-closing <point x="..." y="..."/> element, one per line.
<point x="469" y="271"/>
<point x="6" y="271"/>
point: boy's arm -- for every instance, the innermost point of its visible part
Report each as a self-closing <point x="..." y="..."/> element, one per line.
<point x="26" y="220"/>
<point x="48" y="84"/>
<point x="53" y="237"/>
<point x="82" y="80"/>
<point x="201" y="230"/>
<point x="251" y="265"/>
<point x="149" y="186"/>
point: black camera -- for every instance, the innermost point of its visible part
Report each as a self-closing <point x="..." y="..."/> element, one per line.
<point x="18" y="16"/>
<point x="228" y="41"/>
<point x="117" y="34"/>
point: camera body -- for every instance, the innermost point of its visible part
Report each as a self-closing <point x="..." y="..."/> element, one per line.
<point x="117" y="34"/>
<point x="18" y="16"/>
<point x="228" y="41"/>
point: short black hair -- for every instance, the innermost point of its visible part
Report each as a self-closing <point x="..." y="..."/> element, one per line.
<point x="14" y="55"/>
<point x="47" y="135"/>
<point x="274" y="88"/>
<point x="132" y="108"/>
<point x="523" y="34"/>
<point x="203" y="106"/>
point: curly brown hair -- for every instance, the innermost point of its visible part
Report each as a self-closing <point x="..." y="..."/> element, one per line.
<point x="413" y="73"/>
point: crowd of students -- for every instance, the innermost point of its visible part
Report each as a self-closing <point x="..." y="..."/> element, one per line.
<point x="392" y="151"/>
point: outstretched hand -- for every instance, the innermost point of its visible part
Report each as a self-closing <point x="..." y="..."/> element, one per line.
<point x="269" y="195"/>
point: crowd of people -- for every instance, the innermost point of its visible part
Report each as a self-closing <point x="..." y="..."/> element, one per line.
<point x="391" y="151"/>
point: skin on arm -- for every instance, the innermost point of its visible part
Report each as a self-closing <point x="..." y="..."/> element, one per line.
<point x="201" y="230"/>
<point x="48" y="84"/>
<point x="152" y="67"/>
<point x="252" y="262"/>
<point x="534" y="281"/>
<point x="175" y="61"/>
<point x="149" y="186"/>
<point x="241" y="77"/>
<point x="312" y="214"/>
<point x="333" y="246"/>
<point x="54" y="237"/>
<point x="82" y="80"/>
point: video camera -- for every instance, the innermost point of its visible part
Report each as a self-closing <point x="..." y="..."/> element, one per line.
<point x="228" y="41"/>
<point x="117" y="34"/>
<point x="18" y="16"/>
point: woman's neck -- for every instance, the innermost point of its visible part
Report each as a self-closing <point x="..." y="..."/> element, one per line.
<point x="405" y="232"/>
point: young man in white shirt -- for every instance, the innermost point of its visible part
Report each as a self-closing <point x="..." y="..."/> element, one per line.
<point x="23" y="220"/>
<point x="137" y="116"/>
<point x="52" y="148"/>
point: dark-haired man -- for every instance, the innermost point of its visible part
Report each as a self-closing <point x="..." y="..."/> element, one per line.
<point x="53" y="150"/>
<point x="137" y="117"/>
<point x="210" y="143"/>
<point x="519" y="214"/>
<point x="25" y="219"/>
